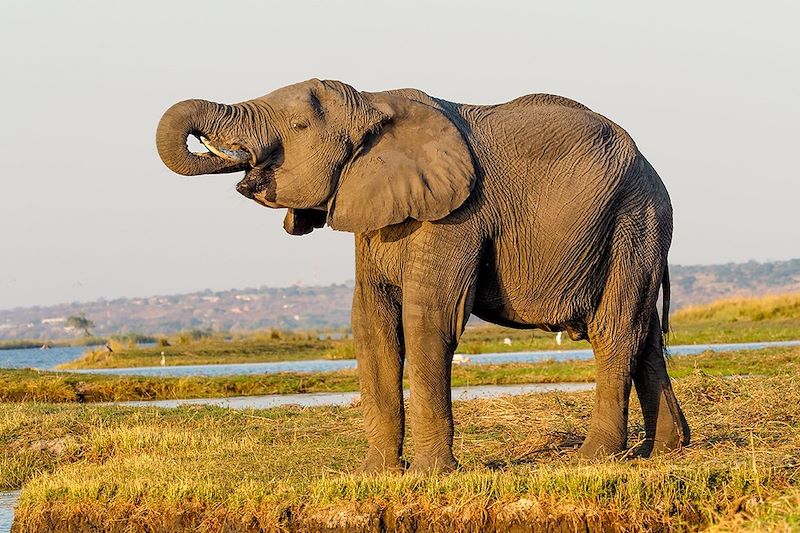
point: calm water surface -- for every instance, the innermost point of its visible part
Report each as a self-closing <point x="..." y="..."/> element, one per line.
<point x="7" y="502"/>
<point x="317" y="399"/>
<point x="38" y="358"/>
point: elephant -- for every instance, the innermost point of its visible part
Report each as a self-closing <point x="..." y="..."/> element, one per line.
<point x="535" y="213"/>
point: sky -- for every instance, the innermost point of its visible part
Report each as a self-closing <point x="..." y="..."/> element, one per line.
<point x="708" y="90"/>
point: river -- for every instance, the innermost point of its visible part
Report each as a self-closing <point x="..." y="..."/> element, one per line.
<point x="48" y="359"/>
<point x="7" y="502"/>
<point x="316" y="399"/>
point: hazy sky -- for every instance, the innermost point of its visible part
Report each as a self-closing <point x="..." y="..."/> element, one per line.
<point x="709" y="91"/>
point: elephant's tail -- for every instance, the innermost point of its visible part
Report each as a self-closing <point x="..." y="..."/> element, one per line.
<point x="665" y="301"/>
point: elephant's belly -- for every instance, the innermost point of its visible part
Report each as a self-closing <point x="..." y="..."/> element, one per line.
<point x="503" y="318"/>
<point x="512" y="317"/>
<point x="507" y="305"/>
<point x="513" y="297"/>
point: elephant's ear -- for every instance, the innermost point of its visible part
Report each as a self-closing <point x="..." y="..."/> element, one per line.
<point x="415" y="164"/>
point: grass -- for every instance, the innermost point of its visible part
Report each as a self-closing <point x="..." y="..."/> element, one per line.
<point x="216" y="349"/>
<point x="771" y="318"/>
<point x="768" y="318"/>
<point x="57" y="387"/>
<point x="211" y="469"/>
<point x="31" y="385"/>
<point x="773" y="307"/>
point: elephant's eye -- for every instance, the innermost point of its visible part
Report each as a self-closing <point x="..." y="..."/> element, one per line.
<point x="299" y="124"/>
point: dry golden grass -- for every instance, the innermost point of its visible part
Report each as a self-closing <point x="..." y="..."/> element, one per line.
<point x="772" y="307"/>
<point x="207" y="469"/>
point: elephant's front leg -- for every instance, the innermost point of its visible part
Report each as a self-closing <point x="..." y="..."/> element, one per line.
<point x="379" y="352"/>
<point x="435" y="310"/>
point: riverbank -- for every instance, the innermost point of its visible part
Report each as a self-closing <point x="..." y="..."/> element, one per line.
<point x="771" y="318"/>
<point x="216" y="349"/>
<point x="207" y="469"/>
<point x="484" y="339"/>
<point x="57" y="387"/>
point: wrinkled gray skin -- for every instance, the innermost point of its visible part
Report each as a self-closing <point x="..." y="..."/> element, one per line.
<point x="536" y="213"/>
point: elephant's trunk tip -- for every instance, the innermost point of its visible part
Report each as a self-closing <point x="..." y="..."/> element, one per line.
<point x="191" y="117"/>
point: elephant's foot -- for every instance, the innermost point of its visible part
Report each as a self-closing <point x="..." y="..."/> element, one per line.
<point x="427" y="464"/>
<point x="641" y="450"/>
<point x="598" y="445"/>
<point x="672" y="432"/>
<point x="667" y="427"/>
<point x="377" y="462"/>
<point x="670" y="437"/>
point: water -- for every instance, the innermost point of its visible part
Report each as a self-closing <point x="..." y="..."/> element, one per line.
<point x="582" y="355"/>
<point x="234" y="369"/>
<point x="346" y="398"/>
<point x="41" y="359"/>
<point x="7" y="502"/>
<point x="321" y="365"/>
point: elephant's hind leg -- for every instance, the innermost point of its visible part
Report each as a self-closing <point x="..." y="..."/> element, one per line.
<point x="615" y="350"/>
<point x="619" y="327"/>
<point x="665" y="426"/>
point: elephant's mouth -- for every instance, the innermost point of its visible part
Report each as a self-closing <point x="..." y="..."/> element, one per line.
<point x="259" y="184"/>
<point x="259" y="181"/>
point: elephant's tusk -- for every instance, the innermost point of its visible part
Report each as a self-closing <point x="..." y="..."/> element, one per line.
<point x="237" y="156"/>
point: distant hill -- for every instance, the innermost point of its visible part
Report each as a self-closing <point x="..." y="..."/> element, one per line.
<point x="238" y="309"/>
<point x="698" y="284"/>
<point x="329" y="307"/>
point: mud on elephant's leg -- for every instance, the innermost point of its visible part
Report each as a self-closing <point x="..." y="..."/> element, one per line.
<point x="665" y="426"/>
<point x="379" y="352"/>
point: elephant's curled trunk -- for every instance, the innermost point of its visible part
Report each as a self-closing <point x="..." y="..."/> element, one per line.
<point x="191" y="117"/>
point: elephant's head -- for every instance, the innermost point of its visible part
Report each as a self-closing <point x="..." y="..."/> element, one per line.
<point x="358" y="161"/>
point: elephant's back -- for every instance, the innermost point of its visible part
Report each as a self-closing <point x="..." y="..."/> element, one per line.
<point x="544" y="99"/>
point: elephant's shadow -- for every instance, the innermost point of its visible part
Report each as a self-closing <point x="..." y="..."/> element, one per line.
<point x="557" y="445"/>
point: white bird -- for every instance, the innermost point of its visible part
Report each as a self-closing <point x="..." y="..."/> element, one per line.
<point x="460" y="359"/>
<point x="163" y="359"/>
<point x="558" y="337"/>
<point x="507" y="341"/>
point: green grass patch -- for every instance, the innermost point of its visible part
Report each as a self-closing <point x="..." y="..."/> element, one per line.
<point x="211" y="469"/>
<point x="215" y="350"/>
<point x="24" y="385"/>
